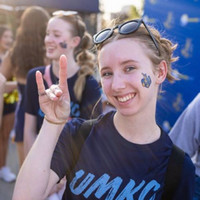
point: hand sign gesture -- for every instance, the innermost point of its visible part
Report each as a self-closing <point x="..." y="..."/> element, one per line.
<point x="55" y="101"/>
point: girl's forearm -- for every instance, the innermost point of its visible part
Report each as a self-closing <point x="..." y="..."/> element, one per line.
<point x="35" y="172"/>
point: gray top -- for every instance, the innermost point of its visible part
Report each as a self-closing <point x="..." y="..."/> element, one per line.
<point x="186" y="131"/>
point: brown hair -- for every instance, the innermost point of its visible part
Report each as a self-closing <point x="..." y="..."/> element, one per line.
<point x="83" y="56"/>
<point x="165" y="46"/>
<point x="28" y="50"/>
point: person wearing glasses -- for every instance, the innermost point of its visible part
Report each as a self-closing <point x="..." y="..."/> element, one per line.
<point x="126" y="154"/>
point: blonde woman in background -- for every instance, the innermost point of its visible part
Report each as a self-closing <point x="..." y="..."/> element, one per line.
<point x="66" y="34"/>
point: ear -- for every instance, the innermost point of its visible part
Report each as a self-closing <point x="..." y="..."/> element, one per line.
<point x="161" y="73"/>
<point x="75" y="41"/>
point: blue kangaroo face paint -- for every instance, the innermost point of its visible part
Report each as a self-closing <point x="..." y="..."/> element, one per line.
<point x="146" y="81"/>
<point x="63" y="45"/>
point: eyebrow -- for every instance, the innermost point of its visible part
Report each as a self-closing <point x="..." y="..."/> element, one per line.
<point x="121" y="63"/>
<point x="56" y="31"/>
<point x="128" y="61"/>
<point x="104" y="68"/>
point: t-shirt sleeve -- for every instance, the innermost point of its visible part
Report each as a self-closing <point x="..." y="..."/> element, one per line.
<point x="31" y="93"/>
<point x="185" y="189"/>
<point x="185" y="132"/>
<point x="63" y="159"/>
<point x="91" y="105"/>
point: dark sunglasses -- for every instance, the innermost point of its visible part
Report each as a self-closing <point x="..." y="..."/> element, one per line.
<point x="124" y="29"/>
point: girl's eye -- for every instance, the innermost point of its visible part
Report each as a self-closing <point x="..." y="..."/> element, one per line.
<point x="130" y="68"/>
<point x="106" y="74"/>
<point x="56" y="35"/>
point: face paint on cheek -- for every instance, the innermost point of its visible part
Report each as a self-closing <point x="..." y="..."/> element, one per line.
<point x="146" y="81"/>
<point x="63" y="45"/>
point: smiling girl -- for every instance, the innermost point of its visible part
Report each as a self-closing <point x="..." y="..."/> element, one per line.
<point x="66" y="34"/>
<point x="126" y="154"/>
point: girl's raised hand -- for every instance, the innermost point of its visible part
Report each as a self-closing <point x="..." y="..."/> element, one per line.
<point x="55" y="101"/>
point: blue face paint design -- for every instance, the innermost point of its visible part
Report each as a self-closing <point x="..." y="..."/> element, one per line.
<point x="63" y="45"/>
<point x="146" y="81"/>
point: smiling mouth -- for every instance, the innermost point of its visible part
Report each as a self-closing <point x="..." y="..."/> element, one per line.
<point x="50" y="48"/>
<point x="126" y="98"/>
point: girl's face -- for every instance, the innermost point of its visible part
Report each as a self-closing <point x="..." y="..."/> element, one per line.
<point x="58" y="38"/>
<point x="127" y="76"/>
<point x="6" y="40"/>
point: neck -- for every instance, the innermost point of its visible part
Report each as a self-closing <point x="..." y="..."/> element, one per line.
<point x="139" y="129"/>
<point x="2" y="52"/>
<point x="72" y="67"/>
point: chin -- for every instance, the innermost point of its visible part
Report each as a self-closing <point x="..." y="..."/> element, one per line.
<point x="127" y="112"/>
<point x="51" y="56"/>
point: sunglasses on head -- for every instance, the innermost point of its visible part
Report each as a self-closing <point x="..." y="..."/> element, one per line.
<point x="123" y="29"/>
<point x="61" y="13"/>
<point x="64" y="13"/>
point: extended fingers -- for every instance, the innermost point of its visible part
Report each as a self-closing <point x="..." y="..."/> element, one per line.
<point x="40" y="83"/>
<point x="63" y="72"/>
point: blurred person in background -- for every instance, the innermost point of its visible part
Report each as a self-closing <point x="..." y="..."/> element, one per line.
<point x="6" y="40"/>
<point x="66" y="34"/>
<point x="28" y="51"/>
<point x="186" y="134"/>
<point x="8" y="104"/>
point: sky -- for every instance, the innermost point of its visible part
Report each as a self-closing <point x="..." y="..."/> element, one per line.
<point x="116" y="5"/>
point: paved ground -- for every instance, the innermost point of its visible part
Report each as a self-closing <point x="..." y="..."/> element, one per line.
<point x="6" y="189"/>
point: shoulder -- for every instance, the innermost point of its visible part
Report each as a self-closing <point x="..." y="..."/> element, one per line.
<point x="195" y="103"/>
<point x="193" y="109"/>
<point x="188" y="166"/>
<point x="6" y="67"/>
<point x="71" y="127"/>
<point x="92" y="89"/>
<point x="75" y="124"/>
<point x="32" y="71"/>
<point x="187" y="183"/>
<point x="91" y="83"/>
<point x="31" y="77"/>
<point x="187" y="180"/>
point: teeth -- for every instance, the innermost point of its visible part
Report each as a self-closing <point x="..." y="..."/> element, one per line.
<point x="126" y="98"/>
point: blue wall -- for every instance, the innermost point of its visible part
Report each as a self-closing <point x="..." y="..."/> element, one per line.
<point x="178" y="20"/>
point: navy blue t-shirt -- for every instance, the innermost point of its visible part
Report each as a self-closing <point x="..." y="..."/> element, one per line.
<point x="110" y="167"/>
<point x="85" y="109"/>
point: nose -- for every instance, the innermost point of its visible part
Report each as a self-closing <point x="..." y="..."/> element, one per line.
<point x="118" y="82"/>
<point x="48" y="38"/>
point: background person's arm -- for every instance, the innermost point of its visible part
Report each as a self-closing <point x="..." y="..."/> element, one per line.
<point x="2" y="86"/>
<point x="7" y="71"/>
<point x="186" y="131"/>
<point x="10" y="86"/>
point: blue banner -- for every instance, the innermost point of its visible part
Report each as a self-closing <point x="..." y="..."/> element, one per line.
<point x="179" y="21"/>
